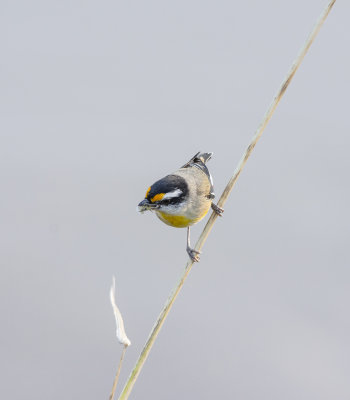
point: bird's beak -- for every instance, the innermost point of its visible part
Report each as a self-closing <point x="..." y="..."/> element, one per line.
<point x="145" y="205"/>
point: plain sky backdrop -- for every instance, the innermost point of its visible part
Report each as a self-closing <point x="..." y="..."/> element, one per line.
<point x="98" y="99"/>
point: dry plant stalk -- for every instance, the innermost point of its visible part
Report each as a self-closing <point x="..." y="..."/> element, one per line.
<point x="205" y="233"/>
<point x="111" y="396"/>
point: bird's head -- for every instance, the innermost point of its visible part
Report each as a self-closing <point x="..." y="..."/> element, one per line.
<point x="165" y="195"/>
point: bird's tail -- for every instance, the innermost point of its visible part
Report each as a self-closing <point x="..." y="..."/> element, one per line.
<point x="199" y="157"/>
<point x="204" y="157"/>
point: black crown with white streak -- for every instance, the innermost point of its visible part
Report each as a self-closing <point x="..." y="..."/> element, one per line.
<point x="174" y="187"/>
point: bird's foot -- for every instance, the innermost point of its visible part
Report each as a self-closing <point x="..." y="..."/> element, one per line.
<point x="194" y="254"/>
<point x="218" y="210"/>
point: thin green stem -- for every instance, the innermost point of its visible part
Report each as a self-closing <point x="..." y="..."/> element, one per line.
<point x="205" y="233"/>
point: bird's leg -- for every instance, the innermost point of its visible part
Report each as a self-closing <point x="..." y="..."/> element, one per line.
<point x="194" y="254"/>
<point x="217" y="210"/>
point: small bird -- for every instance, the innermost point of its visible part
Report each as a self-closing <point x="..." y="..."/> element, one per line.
<point x="184" y="197"/>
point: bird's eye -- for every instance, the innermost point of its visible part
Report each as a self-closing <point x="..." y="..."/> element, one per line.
<point x="165" y="202"/>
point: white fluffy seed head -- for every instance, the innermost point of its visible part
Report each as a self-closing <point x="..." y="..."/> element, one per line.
<point x="121" y="335"/>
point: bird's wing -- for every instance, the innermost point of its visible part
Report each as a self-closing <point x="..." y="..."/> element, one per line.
<point x="198" y="161"/>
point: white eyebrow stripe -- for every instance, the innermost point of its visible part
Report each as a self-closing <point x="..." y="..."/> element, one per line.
<point x="174" y="193"/>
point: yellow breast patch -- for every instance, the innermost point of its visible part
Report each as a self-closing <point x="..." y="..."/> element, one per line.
<point x="177" y="221"/>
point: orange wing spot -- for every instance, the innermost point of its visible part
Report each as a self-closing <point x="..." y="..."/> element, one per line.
<point x="148" y="190"/>
<point x="157" y="197"/>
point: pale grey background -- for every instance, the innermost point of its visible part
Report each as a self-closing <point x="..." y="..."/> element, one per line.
<point x="100" y="99"/>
